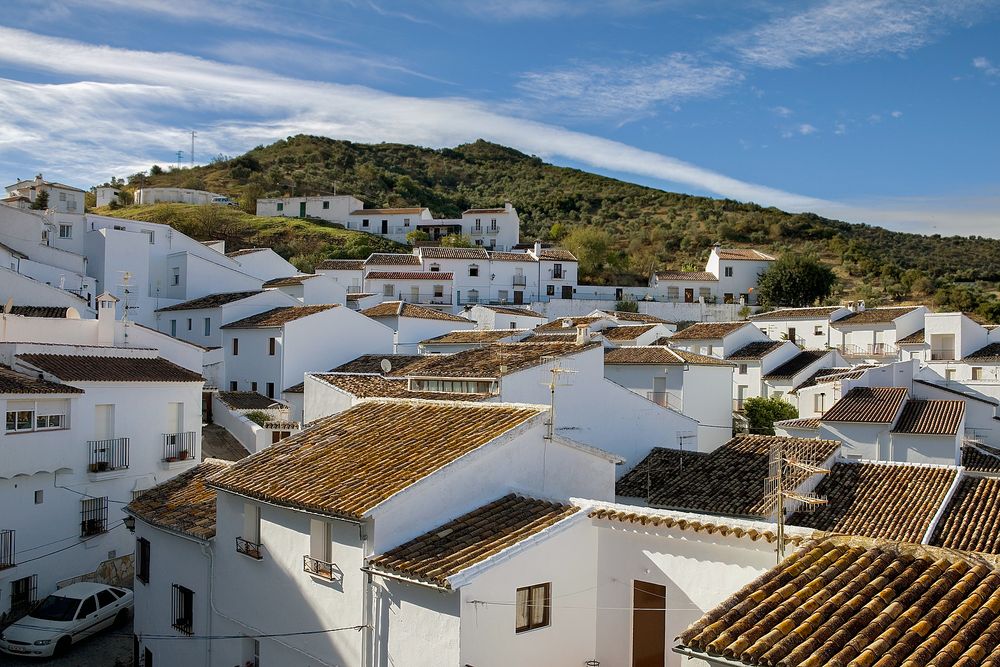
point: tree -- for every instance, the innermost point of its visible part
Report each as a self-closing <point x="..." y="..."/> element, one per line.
<point x="417" y="236"/>
<point x="248" y="200"/>
<point x="456" y="241"/>
<point x="41" y="201"/>
<point x="592" y="247"/>
<point x="627" y="306"/>
<point x="795" y="281"/>
<point x="763" y="412"/>
<point x="155" y="170"/>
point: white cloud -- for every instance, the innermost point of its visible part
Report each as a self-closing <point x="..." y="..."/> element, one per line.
<point x="784" y="112"/>
<point x="839" y="128"/>
<point x="514" y="10"/>
<point x="896" y="114"/>
<point x="849" y="29"/>
<point x="984" y="65"/>
<point x="594" y="90"/>
<point x="806" y="128"/>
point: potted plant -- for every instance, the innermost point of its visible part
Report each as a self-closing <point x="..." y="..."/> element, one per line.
<point x="182" y="455"/>
<point x="171" y="459"/>
<point x="99" y="466"/>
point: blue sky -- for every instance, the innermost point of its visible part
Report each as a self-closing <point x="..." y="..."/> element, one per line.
<point x="867" y="110"/>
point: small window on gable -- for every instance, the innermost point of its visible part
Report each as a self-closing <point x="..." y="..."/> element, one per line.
<point x="818" y="330"/>
<point x="65" y="231"/>
<point x="435" y="267"/>
<point x="326" y="205"/>
<point x="364" y="223"/>
<point x="729" y="272"/>
<point x="532" y="607"/>
<point x="473" y="270"/>
<point x="818" y="402"/>
<point x="743" y="369"/>
<point x="977" y="373"/>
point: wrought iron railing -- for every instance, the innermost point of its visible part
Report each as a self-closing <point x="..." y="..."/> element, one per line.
<point x="108" y="455"/>
<point x="248" y="548"/>
<point x="178" y="446"/>
<point x="317" y="567"/>
<point x="6" y="549"/>
<point x="409" y="297"/>
<point x="870" y="350"/>
<point x="520" y="281"/>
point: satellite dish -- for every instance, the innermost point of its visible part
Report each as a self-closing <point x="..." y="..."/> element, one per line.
<point x="386" y="365"/>
<point x="9" y="306"/>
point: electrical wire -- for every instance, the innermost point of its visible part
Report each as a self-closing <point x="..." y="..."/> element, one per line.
<point x="67" y="548"/>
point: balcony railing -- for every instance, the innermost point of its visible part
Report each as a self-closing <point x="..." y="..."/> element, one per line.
<point x="665" y="399"/>
<point x="6" y="549"/>
<point x="943" y="355"/>
<point x="355" y="289"/>
<point x="178" y="446"/>
<point x="520" y="281"/>
<point x="248" y="548"/>
<point x="870" y="350"/>
<point x="317" y="567"/>
<point x="410" y="297"/>
<point x="557" y="275"/>
<point x="108" y="455"/>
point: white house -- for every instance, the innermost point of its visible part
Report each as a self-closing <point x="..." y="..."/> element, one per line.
<point x="461" y="340"/>
<point x="263" y="263"/>
<point x="730" y="276"/>
<point x="717" y="339"/>
<point x="348" y="272"/>
<point x="310" y="289"/>
<point x="106" y="195"/>
<point x="870" y="334"/>
<point x="199" y="320"/>
<point x="753" y="362"/>
<point x="147" y="196"/>
<point x="808" y="328"/>
<point x="62" y="198"/>
<point x="413" y="324"/>
<point x="489" y="316"/>
<point x="273" y="349"/>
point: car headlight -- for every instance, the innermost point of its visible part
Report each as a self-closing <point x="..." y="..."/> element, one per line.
<point x="43" y="642"/>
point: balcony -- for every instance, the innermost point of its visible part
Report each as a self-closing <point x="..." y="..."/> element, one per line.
<point x="319" y="568"/>
<point x="557" y="274"/>
<point x="476" y="232"/>
<point x="520" y="281"/>
<point x="108" y="455"/>
<point x="443" y="299"/>
<point x="248" y="548"/>
<point x="943" y="354"/>
<point x="178" y="446"/>
<point x="6" y="549"/>
<point x="871" y="350"/>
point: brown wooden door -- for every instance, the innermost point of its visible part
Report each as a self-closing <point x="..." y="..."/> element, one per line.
<point x="567" y="292"/>
<point x="649" y="624"/>
<point x="518" y="296"/>
<point x="688" y="295"/>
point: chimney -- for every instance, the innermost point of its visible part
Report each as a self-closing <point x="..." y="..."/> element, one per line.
<point x="538" y="248"/>
<point x="581" y="334"/>
<point x="106" y="303"/>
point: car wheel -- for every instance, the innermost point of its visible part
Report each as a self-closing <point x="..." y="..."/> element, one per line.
<point x="121" y="618"/>
<point x="62" y="646"/>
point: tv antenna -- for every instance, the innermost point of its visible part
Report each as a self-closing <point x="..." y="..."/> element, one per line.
<point x="789" y="465"/>
<point x="128" y="302"/>
<point x="555" y="373"/>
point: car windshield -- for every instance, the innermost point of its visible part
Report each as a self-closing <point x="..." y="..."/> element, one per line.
<point x="56" y="608"/>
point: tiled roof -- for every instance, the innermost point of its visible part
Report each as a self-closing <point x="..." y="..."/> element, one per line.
<point x="210" y="301"/>
<point x="990" y="352"/>
<point x="879" y="500"/>
<point x="86" y="368"/>
<point x="276" y="317"/>
<point x="729" y="480"/>
<point x="357" y="296"/>
<point x="290" y="281"/>
<point x="851" y="601"/>
<point x="392" y="259"/>
<point x="797" y="313"/>
<point x="930" y="417"/>
<point x="347" y="464"/>
<point x="372" y="363"/>
<point x="12" y="382"/>
<point x="689" y="521"/>
<point x="500" y="256"/>
<point x="513" y="310"/>
<point x="755" y="351"/>
<point x="625" y="316"/>
<point x="183" y="504"/>
<point x="810" y="423"/>
<point x="416" y="210"/>
<point x="244" y="251"/>
<point x="981" y="458"/>
<point x="484" y="210"/>
<point x="971" y="522"/>
<point x="825" y="375"/>
<point x="341" y="265"/>
<point x="796" y="364"/>
<point x="873" y="316"/>
<point x="403" y="309"/>
<point x="708" y="330"/>
<point x="958" y="390"/>
<point x="915" y="338"/>
<point x="698" y="276"/>
<point x="55" y="312"/>
<point x="870" y="405"/>
<point x="547" y="337"/>
<point x="630" y="332"/>
<point x="486" y="362"/>
<point x="377" y="386"/>
<point x="440" y="276"/>
<point x="557" y="254"/>
<point x="248" y="400"/>
<point x="473" y="336"/>
<point x="567" y="324"/>
<point x="744" y="254"/>
<point x="442" y="252"/>
<point x="471" y="538"/>
<point x="658" y="355"/>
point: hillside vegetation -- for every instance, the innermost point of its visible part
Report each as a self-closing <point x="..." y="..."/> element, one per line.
<point x="639" y="228"/>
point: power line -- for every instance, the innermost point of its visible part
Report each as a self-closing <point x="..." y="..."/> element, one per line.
<point x="67" y="548"/>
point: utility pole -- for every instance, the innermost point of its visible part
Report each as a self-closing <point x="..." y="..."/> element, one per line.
<point x="789" y="466"/>
<point x="179" y="154"/>
<point x="193" y="135"/>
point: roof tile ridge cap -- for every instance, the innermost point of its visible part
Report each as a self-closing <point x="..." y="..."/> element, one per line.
<point x="901" y="464"/>
<point x="539" y="407"/>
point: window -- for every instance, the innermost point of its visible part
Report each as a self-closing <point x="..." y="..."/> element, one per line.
<point x="142" y="560"/>
<point x="190" y="323"/>
<point x="977" y="373"/>
<point x="281" y="206"/>
<point x="93" y="516"/>
<point x="326" y="205"/>
<point x="479" y="224"/>
<point x="249" y="543"/>
<point x="557" y="271"/>
<point x="388" y="289"/>
<point x="453" y="386"/>
<point x="473" y="270"/>
<point x="729" y="272"/>
<point x="173" y="327"/>
<point x="88" y="607"/>
<point x="550" y="290"/>
<point x="493" y="224"/>
<point x="532" y="607"/>
<point x="65" y="231"/>
<point x="406" y="222"/>
<point x="743" y="369"/>
<point x="176" y="277"/>
<point x="236" y="347"/>
<point x="473" y="296"/>
<point x="319" y="562"/>
<point x="232" y="385"/>
<point x="23" y="594"/>
<point x="439" y="291"/>
<point x="270" y="390"/>
<point x="151" y="234"/>
<point x="253" y="386"/>
<point x="45" y="422"/>
<point x="705" y="293"/>
<point x="208" y="326"/>
<point x="147" y="655"/>
<point x="364" y="223"/>
<point x="709" y="349"/>
<point x="435" y="267"/>
<point x="62" y="196"/>
<point x="818" y="330"/>
<point x="673" y="294"/>
<point x="271" y="345"/>
<point x="39" y="496"/>
<point x="818" y="402"/>
<point x="20" y="420"/>
<point x="182" y="608"/>
<point x="727" y="297"/>
<point x="503" y="295"/>
<point x="105" y="598"/>
<point x="949" y="374"/>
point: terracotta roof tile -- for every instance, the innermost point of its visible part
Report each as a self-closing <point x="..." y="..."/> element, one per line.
<point x="513" y="310"/>
<point x="624" y="316"/>
<point x="708" y="330"/>
<point x="698" y="276"/>
<point x="990" y="352"/>
<point x="416" y="210"/>
<point x="482" y="336"/>
<point x="403" y="309"/>
<point x="755" y="351"/>
<point x="625" y="333"/>
<point x="699" y="359"/>
<point x="210" y="301"/>
<point x="347" y="464"/>
<point x="440" y="276"/>
<point x="930" y="417"/>
<point x="484" y="210"/>
<point x="748" y="254"/>
<point x="277" y="317"/>
<point x="870" y="405"/>
<point x="729" y="480"/>
<point x="248" y="400"/>
<point x="341" y="265"/>
<point x="547" y="337"/>
<point x="873" y="316"/>
<point x="568" y="324"/>
<point x="879" y="500"/>
<point x="980" y="457"/>
<point x="688" y="521"/>
<point x="244" y="251"/>
<point x="797" y="313"/>
<point x="87" y="368"/>
<point x="357" y="296"/>
<point x="810" y="423"/>
<point x="971" y="522"/>
<point x="12" y="382"/>
<point x="658" y="355"/>
<point x="442" y="252"/>
<point x="915" y="338"/>
<point x="392" y="259"/>
<point x="183" y="504"/>
<point x="825" y="375"/>
<point x="54" y="312"/>
<point x="290" y="281"/>
<point x="378" y="386"/>
<point x="372" y="363"/>
<point x="851" y="601"/>
<point x="471" y="538"/>
<point x="557" y="255"/>
<point x="796" y="364"/>
<point x="500" y="256"/>
<point x="486" y="361"/>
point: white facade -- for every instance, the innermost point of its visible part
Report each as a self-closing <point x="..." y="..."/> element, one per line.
<point x="146" y="196"/>
<point x="730" y="277"/>
<point x="201" y="326"/>
<point x="807" y="327"/>
<point x="487" y="317"/>
<point x="263" y="263"/>
<point x="62" y="198"/>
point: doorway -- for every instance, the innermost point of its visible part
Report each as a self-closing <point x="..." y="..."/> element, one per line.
<point x="518" y="297"/>
<point x="649" y="624"/>
<point x="302" y="209"/>
<point x="688" y="295"/>
<point x="385" y="226"/>
<point x="567" y="291"/>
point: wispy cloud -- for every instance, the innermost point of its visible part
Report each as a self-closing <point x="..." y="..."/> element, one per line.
<point x="806" y="129"/>
<point x="849" y="29"/>
<point x="984" y="65"/>
<point x="516" y="10"/>
<point x="784" y="112"/>
<point x="896" y="114"/>
<point x="629" y="89"/>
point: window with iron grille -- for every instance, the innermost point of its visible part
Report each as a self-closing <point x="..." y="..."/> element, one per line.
<point x="183" y="609"/>
<point x="23" y="595"/>
<point x="6" y="549"/>
<point x="142" y="558"/>
<point x="93" y="516"/>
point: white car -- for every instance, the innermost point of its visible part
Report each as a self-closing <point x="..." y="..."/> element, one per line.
<point x="65" y="617"/>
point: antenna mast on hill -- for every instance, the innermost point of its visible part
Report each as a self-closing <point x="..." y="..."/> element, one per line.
<point x="789" y="466"/>
<point x="193" y="135"/>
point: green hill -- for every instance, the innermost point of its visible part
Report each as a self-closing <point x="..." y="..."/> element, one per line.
<point x="645" y="228"/>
